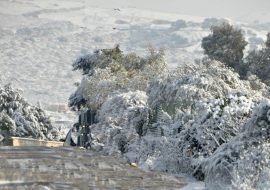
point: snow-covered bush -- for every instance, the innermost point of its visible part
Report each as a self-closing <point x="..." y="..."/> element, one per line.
<point x="186" y="116"/>
<point x="181" y="120"/>
<point x="18" y="118"/>
<point x="244" y="162"/>
<point x="126" y="127"/>
<point x="109" y="71"/>
<point x="121" y="119"/>
<point x="202" y="82"/>
<point x="207" y="103"/>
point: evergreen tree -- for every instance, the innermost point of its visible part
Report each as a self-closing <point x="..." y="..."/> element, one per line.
<point x="19" y="118"/>
<point x="225" y="44"/>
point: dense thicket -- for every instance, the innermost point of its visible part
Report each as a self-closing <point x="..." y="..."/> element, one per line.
<point x="182" y="119"/>
<point x="175" y="121"/>
<point x="208" y="104"/>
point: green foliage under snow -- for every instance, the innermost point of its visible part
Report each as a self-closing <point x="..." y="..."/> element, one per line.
<point x="110" y="71"/>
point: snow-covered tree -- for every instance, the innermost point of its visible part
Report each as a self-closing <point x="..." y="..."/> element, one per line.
<point x="109" y="71"/>
<point x="207" y="103"/>
<point x="19" y="118"/>
<point x="182" y="120"/>
<point x="128" y="127"/>
<point x="121" y="120"/>
<point x="7" y="125"/>
<point x="176" y="120"/>
<point x="99" y="59"/>
<point x="225" y="44"/>
<point x="244" y="162"/>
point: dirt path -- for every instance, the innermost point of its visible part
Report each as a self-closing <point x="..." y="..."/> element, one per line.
<point x="73" y="168"/>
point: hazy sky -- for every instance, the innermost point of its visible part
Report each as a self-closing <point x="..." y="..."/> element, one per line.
<point x="242" y="10"/>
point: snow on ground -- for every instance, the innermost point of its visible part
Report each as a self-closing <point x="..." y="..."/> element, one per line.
<point x="40" y="39"/>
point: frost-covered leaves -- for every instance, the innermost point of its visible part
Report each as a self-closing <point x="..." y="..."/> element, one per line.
<point x="18" y="118"/>
<point x="109" y="71"/>
<point x="243" y="163"/>
<point x="225" y="44"/>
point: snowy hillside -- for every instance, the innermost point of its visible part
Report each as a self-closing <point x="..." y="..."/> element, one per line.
<point x="40" y="40"/>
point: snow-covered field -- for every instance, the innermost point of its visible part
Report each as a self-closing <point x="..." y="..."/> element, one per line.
<point x="40" y="39"/>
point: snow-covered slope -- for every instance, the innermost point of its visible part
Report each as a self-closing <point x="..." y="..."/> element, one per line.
<point x="39" y="40"/>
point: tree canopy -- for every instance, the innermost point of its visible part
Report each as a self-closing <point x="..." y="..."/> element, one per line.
<point x="225" y="44"/>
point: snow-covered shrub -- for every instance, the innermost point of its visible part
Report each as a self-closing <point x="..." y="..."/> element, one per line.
<point x="244" y="162"/>
<point x="121" y="119"/>
<point x="191" y="83"/>
<point x="183" y="118"/>
<point x="108" y="72"/>
<point x="207" y="103"/>
<point x="18" y="118"/>
<point x="126" y="127"/>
